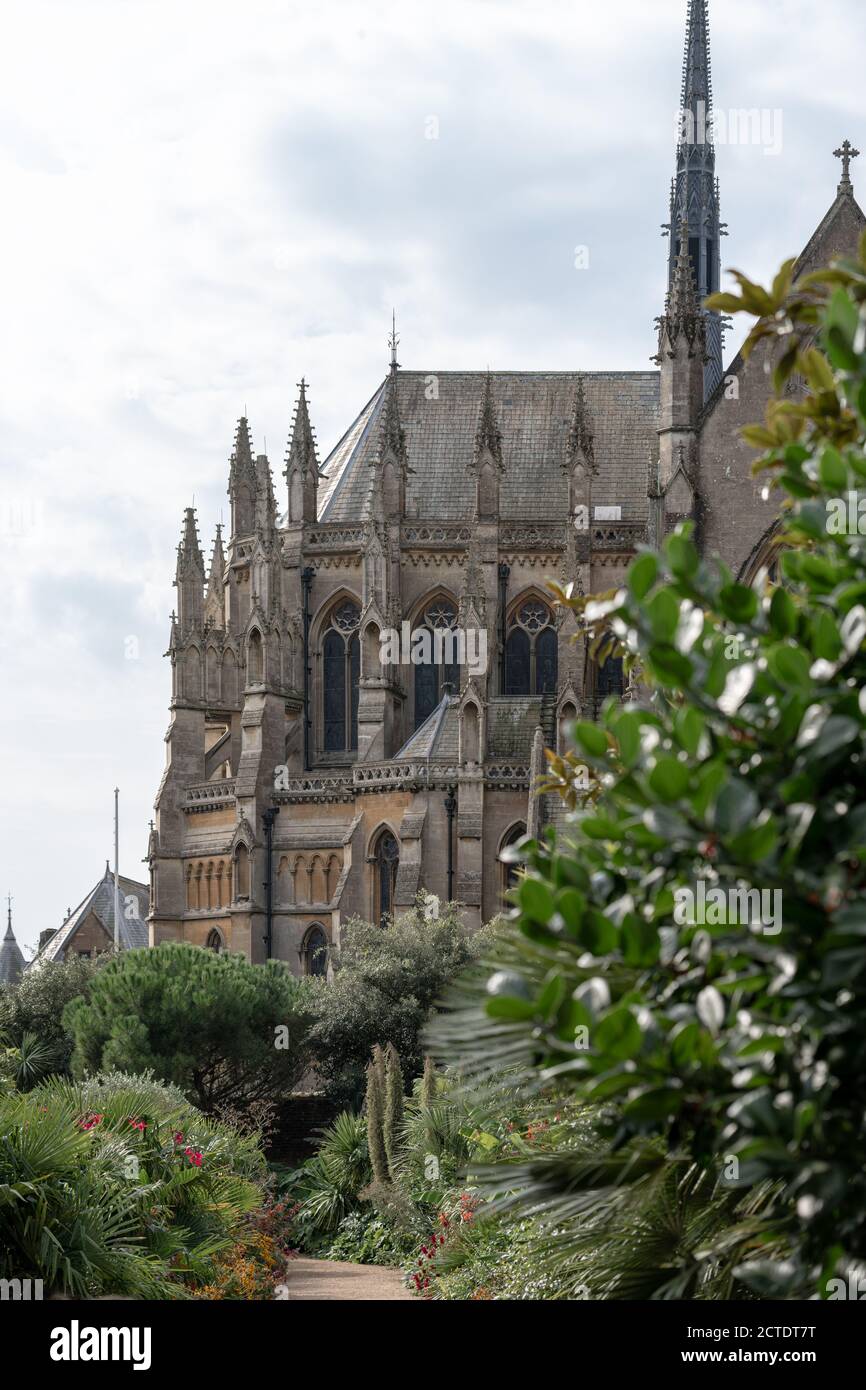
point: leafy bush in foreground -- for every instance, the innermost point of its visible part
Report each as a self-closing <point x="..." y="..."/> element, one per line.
<point x="118" y="1186"/>
<point x="728" y="1042"/>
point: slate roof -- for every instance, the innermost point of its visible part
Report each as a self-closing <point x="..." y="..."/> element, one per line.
<point x="533" y="410"/>
<point x="511" y="724"/>
<point x="11" y="959"/>
<point x="437" y="736"/>
<point x="100" y="901"/>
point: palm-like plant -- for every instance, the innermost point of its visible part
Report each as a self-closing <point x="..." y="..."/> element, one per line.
<point x="126" y="1198"/>
<point x="335" y="1176"/>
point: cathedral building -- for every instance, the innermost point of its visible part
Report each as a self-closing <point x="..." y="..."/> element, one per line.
<point x="366" y="671"/>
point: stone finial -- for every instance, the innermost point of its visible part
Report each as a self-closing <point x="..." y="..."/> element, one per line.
<point x="488" y="436"/>
<point x="580" y="435"/>
<point x="302" y="444"/>
<point x="846" y="152"/>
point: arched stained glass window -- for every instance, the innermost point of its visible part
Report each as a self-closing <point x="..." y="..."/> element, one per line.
<point x="315" y="952"/>
<point x="341" y="669"/>
<point x="440" y="621"/>
<point x="387" y="860"/>
<point x="609" y="679"/>
<point x="531" y="650"/>
<point x="509" y="873"/>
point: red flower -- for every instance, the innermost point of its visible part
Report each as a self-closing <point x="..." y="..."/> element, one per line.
<point x="178" y="1138"/>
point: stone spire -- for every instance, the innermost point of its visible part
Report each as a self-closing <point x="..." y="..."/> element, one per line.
<point x="488" y="436"/>
<point x="214" y="612"/>
<point x="694" y="191"/>
<point x="302" y="445"/>
<point x="189" y="578"/>
<point x="11" y="958"/>
<point x="580" y="445"/>
<point x="392" y="436"/>
<point x="217" y="561"/>
<point x="243" y="481"/>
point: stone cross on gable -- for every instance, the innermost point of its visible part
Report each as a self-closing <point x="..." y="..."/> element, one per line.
<point x="846" y="153"/>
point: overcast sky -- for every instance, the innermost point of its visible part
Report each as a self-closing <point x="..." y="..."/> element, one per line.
<point x="202" y="201"/>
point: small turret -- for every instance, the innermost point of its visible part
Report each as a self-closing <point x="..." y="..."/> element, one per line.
<point x="189" y="578"/>
<point x="302" y="471"/>
<point x="392" y="463"/>
<point x="243" y="483"/>
<point x="487" y="462"/>
<point x="11" y="958"/>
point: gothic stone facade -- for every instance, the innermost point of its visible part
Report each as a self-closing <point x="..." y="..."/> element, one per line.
<point x="450" y="501"/>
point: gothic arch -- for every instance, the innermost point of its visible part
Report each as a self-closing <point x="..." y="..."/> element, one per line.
<point x="318" y="880"/>
<point x="332" y="876"/>
<point x="314" y="950"/>
<point x="566" y="716"/>
<point x="215" y="940"/>
<point x="470" y="733"/>
<point x="230" y="677"/>
<point x="437" y="612"/>
<point x="531" y="662"/>
<point x="242" y="872"/>
<point x="371" y="662"/>
<point x="508" y="872"/>
<point x="764" y="554"/>
<point x="338" y="663"/>
<point x="212" y="673"/>
<point x="255" y="657"/>
<point x="384" y="858"/>
<point x="191" y="677"/>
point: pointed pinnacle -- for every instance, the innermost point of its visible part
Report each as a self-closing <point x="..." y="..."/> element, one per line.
<point x="580" y="436"/>
<point x="488" y="434"/>
<point x="217" y="559"/>
<point x="392" y="436"/>
<point x="684" y="294"/>
<point x="302" y="445"/>
<point x="243" y="449"/>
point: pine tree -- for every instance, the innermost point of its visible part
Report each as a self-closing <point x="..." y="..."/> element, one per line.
<point x="393" y="1106"/>
<point x="375" y="1116"/>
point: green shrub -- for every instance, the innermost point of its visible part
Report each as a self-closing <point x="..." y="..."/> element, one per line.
<point x="386" y="983"/>
<point x="225" y="1032"/>
<point x="35" y="1004"/>
<point x="331" y="1181"/>
<point x="118" y="1186"/>
<point x="727" y="1048"/>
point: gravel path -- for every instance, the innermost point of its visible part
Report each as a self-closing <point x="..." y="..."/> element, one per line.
<point x="333" y="1279"/>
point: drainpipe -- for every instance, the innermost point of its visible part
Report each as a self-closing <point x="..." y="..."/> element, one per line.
<point x="504" y="572"/>
<point x="307" y="577"/>
<point x="268" y="818"/>
<point x="450" y="808"/>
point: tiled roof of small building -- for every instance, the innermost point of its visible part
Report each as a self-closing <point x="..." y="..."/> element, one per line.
<point x="11" y="958"/>
<point x="439" y="413"/>
<point x="100" y="901"/>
